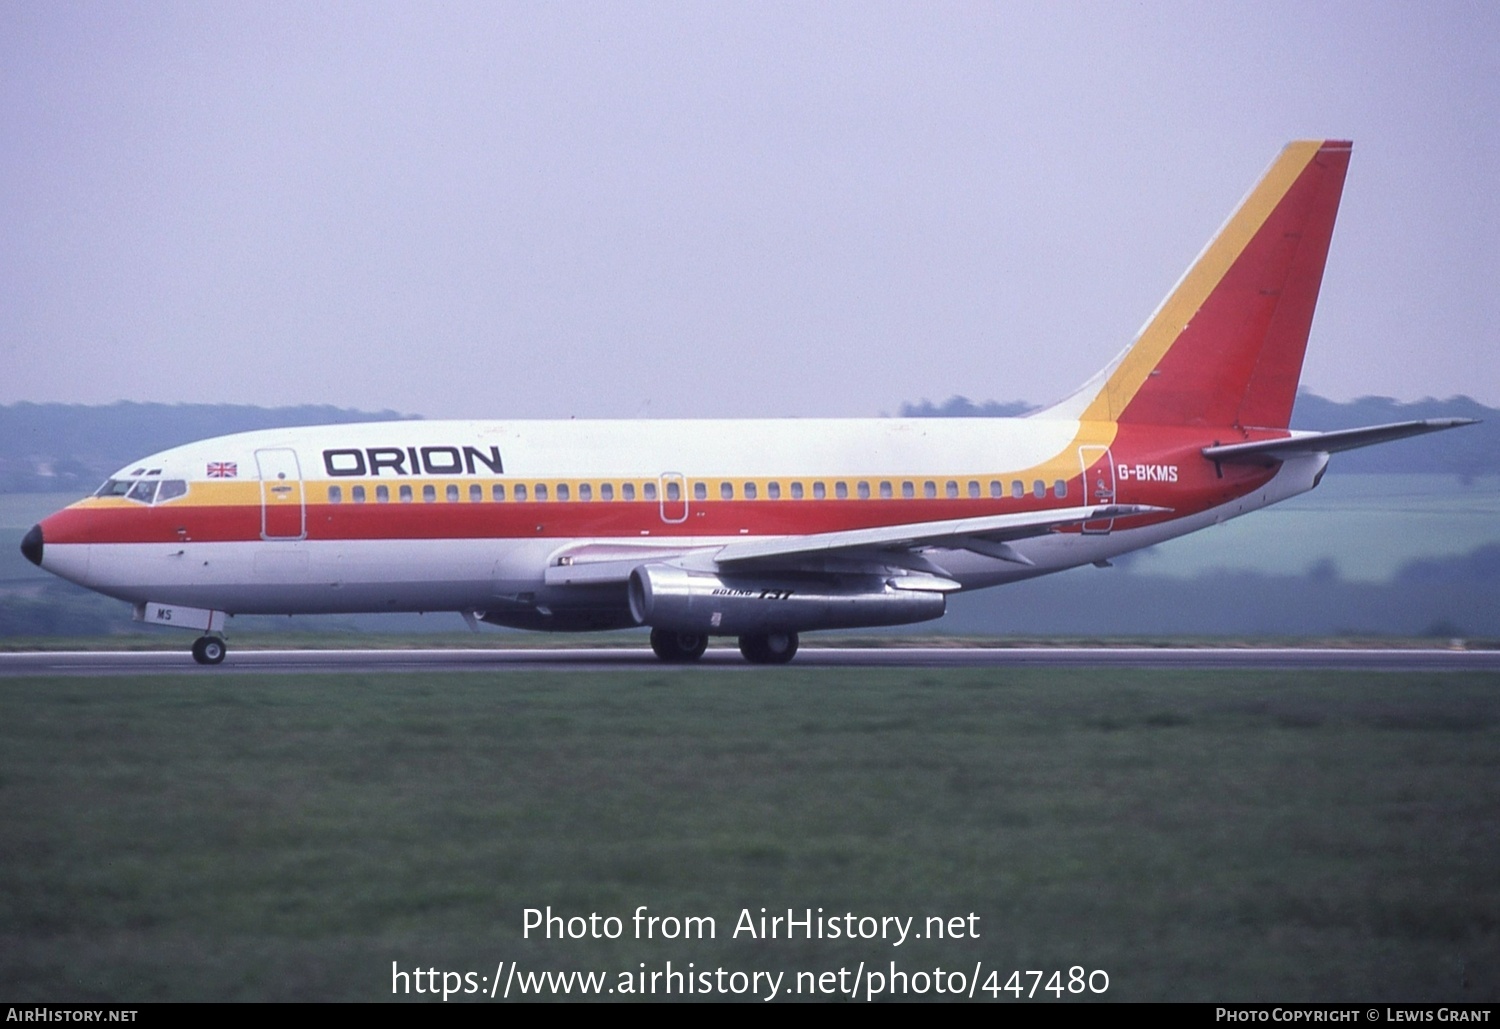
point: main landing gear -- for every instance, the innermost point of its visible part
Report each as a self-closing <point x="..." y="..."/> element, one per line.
<point x="678" y="647"/>
<point x="209" y="650"/>
<point x="776" y="648"/>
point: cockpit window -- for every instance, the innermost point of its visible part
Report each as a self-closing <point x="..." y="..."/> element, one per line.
<point x="170" y="489"/>
<point x="143" y="491"/>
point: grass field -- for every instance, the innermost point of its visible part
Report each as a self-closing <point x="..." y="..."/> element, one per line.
<point x="1224" y="836"/>
<point x="1368" y="526"/>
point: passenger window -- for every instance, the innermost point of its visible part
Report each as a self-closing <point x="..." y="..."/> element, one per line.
<point x="674" y="490"/>
<point x="1017" y="489"/>
<point x="1039" y="489"/>
<point x="627" y="491"/>
<point x="908" y="490"/>
<point x="539" y="493"/>
<point x="607" y="491"/>
<point x="973" y="490"/>
<point x="929" y="490"/>
<point x="519" y="492"/>
<point x="382" y="494"/>
<point x="649" y="490"/>
<point x="796" y="491"/>
<point x="429" y="494"/>
<point x="497" y="493"/>
<point x="700" y="491"/>
<point x="585" y="491"/>
<point x="726" y="491"/>
<point x="885" y="491"/>
<point x="476" y="493"/>
<point x="820" y="492"/>
<point x="335" y="494"/>
<point x="451" y="493"/>
<point x="358" y="493"/>
<point x="562" y="491"/>
<point x="951" y="489"/>
<point x="749" y="491"/>
<point x="406" y="494"/>
<point x="864" y="490"/>
<point x="773" y="490"/>
<point x="1060" y="488"/>
<point x="996" y="490"/>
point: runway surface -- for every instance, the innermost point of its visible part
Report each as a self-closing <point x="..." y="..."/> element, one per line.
<point x="93" y="663"/>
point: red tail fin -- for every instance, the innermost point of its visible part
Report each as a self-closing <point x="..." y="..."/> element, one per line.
<point x="1225" y="348"/>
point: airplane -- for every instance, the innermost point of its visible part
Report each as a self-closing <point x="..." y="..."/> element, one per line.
<point x="760" y="530"/>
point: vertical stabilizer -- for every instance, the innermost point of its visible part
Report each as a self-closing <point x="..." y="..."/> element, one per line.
<point x="1225" y="347"/>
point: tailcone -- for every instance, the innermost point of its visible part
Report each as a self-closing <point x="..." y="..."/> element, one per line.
<point x="31" y="546"/>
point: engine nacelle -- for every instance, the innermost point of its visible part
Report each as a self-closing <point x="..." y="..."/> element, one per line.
<point x="667" y="597"/>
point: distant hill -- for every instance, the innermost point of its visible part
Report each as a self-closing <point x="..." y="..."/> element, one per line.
<point x="1466" y="452"/>
<point x="71" y="448"/>
<point x="963" y="407"/>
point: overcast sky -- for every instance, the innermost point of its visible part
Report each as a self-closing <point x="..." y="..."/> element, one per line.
<point x="711" y="209"/>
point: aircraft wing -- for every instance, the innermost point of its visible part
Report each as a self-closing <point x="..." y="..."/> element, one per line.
<point x="1300" y="443"/>
<point x="591" y="564"/>
<point x="985" y="535"/>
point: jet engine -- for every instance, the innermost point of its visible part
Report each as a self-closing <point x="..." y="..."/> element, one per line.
<point x="667" y="597"/>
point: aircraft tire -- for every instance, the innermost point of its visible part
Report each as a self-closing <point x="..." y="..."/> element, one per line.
<point x="776" y="648"/>
<point x="209" y="650"/>
<point x="678" y="647"/>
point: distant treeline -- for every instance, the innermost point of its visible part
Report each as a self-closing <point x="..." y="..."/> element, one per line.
<point x="1466" y="452"/>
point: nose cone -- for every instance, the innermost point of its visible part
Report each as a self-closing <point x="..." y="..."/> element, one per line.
<point x="31" y="546"/>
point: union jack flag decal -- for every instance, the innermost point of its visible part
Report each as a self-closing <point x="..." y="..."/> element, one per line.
<point x="223" y="469"/>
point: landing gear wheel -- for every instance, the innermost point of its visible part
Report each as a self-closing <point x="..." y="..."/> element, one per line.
<point x="209" y="650"/>
<point x="775" y="648"/>
<point x="678" y="647"/>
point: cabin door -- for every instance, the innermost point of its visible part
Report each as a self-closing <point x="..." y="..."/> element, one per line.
<point x="283" y="509"/>
<point x="1098" y="485"/>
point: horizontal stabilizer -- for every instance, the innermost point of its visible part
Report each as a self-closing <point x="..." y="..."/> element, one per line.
<point x="1300" y="443"/>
